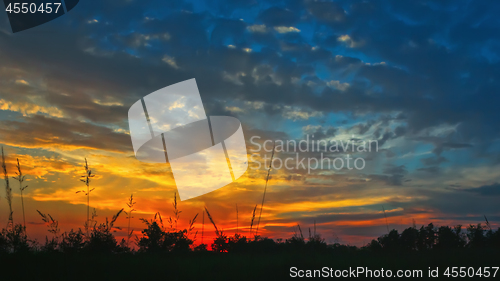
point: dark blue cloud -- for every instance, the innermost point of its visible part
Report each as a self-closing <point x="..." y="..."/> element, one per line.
<point x="486" y="190"/>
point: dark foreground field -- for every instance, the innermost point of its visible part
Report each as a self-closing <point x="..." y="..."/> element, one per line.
<point x="230" y="266"/>
<point x="428" y="252"/>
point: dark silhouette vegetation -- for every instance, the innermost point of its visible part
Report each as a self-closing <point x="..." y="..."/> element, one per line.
<point x="164" y="249"/>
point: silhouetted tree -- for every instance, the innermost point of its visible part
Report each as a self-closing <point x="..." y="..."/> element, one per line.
<point x="426" y="237"/>
<point x="237" y="243"/>
<point x="374" y="246"/>
<point x="493" y="238"/>
<point x="448" y="238"/>
<point x="409" y="239"/>
<point x="476" y="236"/>
<point x="390" y="241"/>
<point x="221" y="243"/>
<point x="152" y="239"/>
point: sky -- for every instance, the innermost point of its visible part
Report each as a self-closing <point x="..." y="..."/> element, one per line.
<point x="420" y="78"/>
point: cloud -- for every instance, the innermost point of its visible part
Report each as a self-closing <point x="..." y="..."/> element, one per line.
<point x="349" y="41"/>
<point x="44" y="132"/>
<point x="485" y="190"/>
<point x="338" y="85"/>
<point x="261" y="28"/>
<point x="26" y="108"/>
<point x="284" y="29"/>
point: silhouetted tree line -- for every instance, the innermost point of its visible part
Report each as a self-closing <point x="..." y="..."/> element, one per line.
<point x="160" y="237"/>
<point x="437" y="238"/>
<point x="156" y="239"/>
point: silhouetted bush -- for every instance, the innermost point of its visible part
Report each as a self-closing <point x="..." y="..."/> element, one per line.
<point x="4" y="243"/>
<point x="14" y="240"/>
<point x="101" y="240"/>
<point x="72" y="242"/>
<point x="221" y="243"/>
<point x="201" y="248"/>
<point x="157" y="240"/>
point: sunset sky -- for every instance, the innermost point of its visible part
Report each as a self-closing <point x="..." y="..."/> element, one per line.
<point x="419" y="77"/>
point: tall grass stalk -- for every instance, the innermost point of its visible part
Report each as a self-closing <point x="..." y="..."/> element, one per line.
<point x="113" y="220"/>
<point x="253" y="218"/>
<point x="191" y="227"/>
<point x="265" y="188"/>
<point x="487" y="222"/>
<point x="217" y="232"/>
<point x="176" y="211"/>
<point x="20" y="178"/>
<point x="300" y="230"/>
<point x="386" y="223"/>
<point x="203" y="227"/>
<point x="131" y="209"/>
<point x="237" y="222"/>
<point x="86" y="179"/>
<point x="51" y="223"/>
<point x="8" y="192"/>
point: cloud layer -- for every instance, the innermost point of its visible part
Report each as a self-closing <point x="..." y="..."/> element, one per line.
<point x="420" y="77"/>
